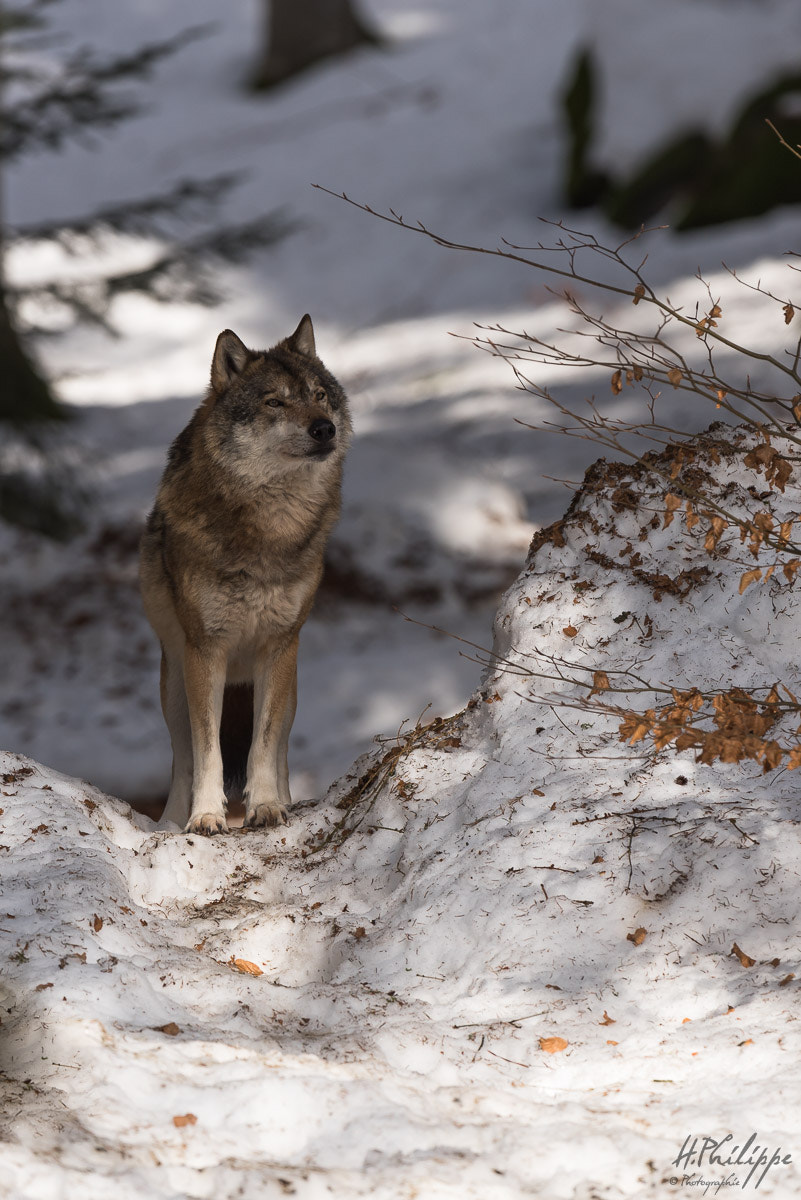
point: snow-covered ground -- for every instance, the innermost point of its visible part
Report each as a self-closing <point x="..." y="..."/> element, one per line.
<point x="456" y="124"/>
<point x="497" y="961"/>
<point x="391" y="1045"/>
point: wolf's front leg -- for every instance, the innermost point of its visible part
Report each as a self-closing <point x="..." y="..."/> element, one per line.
<point x="176" y="715"/>
<point x="204" y="679"/>
<point x="274" y="684"/>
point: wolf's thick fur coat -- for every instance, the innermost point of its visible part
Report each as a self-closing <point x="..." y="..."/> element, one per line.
<point x="231" y="558"/>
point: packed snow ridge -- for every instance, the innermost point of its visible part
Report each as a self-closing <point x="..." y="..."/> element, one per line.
<point x="495" y="961"/>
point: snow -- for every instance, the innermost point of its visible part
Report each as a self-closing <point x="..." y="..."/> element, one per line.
<point x="416" y="939"/>
<point x="405" y="1059"/>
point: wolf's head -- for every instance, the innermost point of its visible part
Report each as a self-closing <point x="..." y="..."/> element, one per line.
<point x="274" y="412"/>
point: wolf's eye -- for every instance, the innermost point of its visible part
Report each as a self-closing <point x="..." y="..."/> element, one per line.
<point x="320" y="395"/>
<point x="273" y="402"/>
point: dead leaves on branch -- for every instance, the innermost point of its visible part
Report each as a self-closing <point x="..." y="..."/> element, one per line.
<point x="729" y="726"/>
<point x="631" y="375"/>
<point x="709" y="321"/>
<point x="759" y="531"/>
<point x="767" y="460"/>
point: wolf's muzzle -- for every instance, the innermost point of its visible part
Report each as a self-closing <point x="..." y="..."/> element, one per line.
<point x="322" y="430"/>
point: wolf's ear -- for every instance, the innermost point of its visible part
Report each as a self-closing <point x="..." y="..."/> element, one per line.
<point x="231" y="356"/>
<point x="302" y="340"/>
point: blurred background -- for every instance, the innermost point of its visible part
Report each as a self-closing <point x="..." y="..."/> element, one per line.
<point x="156" y="172"/>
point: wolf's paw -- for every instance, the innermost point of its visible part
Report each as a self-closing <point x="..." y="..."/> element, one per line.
<point x="267" y="813"/>
<point x="206" y="823"/>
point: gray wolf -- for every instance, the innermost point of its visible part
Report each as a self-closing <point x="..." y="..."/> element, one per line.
<point x="231" y="558"/>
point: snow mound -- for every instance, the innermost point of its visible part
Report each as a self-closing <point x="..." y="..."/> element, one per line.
<point x="496" y="961"/>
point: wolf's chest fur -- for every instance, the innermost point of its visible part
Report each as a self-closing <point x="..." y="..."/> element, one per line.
<point x="254" y="616"/>
<point x="262" y="585"/>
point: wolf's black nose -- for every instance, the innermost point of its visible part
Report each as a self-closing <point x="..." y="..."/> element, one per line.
<point x="322" y="430"/>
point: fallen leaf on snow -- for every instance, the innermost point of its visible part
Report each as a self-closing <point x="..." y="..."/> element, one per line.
<point x="553" y="1045"/>
<point x="570" y="631"/>
<point x="638" y="937"/>
<point x="171" y="1029"/>
<point x="186" y="1119"/>
<point x="744" y="959"/>
<point x="247" y="968"/>
<point x="607" y="1019"/>
<point x="97" y="923"/>
<point x="786" y="980"/>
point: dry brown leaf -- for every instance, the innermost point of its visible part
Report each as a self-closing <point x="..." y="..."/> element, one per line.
<point x="42" y="987"/>
<point x="611" y="1043"/>
<point x="638" y="937"/>
<point x="171" y="1029"/>
<point x="744" y="959"/>
<point x="639" y="292"/>
<point x="782" y="982"/>
<point x="671" y="504"/>
<point x="537" y="792"/>
<point x="97" y="923"/>
<point x="186" y="1119"/>
<point x="675" y="376"/>
<point x="570" y="631"/>
<point x="600" y="683"/>
<point x="360" y="932"/>
<point x="782" y="474"/>
<point x="748" y="578"/>
<point x="789" y="313"/>
<point x="247" y="968"/>
<point x="617" y="384"/>
<point x="553" y="1045"/>
<point x="716" y="527"/>
<point x="636" y="727"/>
<point x="607" y="1019"/>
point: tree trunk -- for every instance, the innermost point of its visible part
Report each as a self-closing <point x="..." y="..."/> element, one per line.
<point x="25" y="397"/>
<point x="299" y="33"/>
